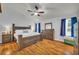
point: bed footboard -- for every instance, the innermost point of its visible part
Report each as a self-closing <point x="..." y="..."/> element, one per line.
<point x="26" y="41"/>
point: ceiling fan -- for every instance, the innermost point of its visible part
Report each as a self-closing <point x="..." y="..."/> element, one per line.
<point x="37" y="11"/>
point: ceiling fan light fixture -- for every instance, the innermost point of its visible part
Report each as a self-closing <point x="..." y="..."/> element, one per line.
<point x="36" y="13"/>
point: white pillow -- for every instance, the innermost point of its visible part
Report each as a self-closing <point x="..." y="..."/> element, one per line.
<point x="19" y="31"/>
<point x="30" y="30"/>
<point x="27" y="31"/>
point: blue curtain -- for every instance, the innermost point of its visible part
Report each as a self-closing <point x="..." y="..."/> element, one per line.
<point x="62" y="32"/>
<point x="37" y="27"/>
<point x="63" y="28"/>
<point x="73" y="21"/>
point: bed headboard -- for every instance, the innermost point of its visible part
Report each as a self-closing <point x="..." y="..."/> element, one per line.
<point x="14" y="28"/>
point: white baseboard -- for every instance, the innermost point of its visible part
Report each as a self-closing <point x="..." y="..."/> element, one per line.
<point x="62" y="40"/>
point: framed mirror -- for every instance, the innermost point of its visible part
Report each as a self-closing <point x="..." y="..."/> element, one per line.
<point x="48" y="25"/>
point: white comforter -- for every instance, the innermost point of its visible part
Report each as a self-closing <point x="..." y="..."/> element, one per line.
<point x="25" y="34"/>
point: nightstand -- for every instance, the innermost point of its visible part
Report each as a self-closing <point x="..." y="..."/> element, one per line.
<point x="6" y="38"/>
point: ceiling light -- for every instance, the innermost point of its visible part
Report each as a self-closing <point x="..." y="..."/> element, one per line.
<point x="36" y="13"/>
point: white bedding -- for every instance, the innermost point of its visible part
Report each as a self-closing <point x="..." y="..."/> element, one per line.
<point x="25" y="34"/>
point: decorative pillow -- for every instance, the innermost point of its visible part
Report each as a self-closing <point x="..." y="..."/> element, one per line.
<point x="26" y="31"/>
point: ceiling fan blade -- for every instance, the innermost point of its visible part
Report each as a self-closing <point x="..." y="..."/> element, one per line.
<point x="32" y="14"/>
<point x="38" y="15"/>
<point x="41" y="12"/>
<point x="36" y="7"/>
<point x="29" y="11"/>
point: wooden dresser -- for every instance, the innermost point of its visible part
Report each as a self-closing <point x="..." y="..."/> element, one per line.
<point x="6" y="38"/>
<point x="48" y="34"/>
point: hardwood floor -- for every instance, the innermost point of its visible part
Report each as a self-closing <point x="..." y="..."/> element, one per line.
<point x="45" y="47"/>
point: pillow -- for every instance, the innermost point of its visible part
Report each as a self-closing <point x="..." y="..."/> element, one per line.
<point x="27" y="31"/>
<point x="30" y="30"/>
<point x="19" y="31"/>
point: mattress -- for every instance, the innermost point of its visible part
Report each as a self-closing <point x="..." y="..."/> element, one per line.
<point x="25" y="34"/>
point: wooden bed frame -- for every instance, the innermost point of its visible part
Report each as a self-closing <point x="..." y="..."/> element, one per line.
<point x="25" y="41"/>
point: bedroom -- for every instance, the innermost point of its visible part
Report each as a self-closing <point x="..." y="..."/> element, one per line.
<point x="15" y="16"/>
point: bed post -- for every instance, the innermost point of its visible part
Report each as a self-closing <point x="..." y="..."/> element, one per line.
<point x="19" y="41"/>
<point x="13" y="31"/>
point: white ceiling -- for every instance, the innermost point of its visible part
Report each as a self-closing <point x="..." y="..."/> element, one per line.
<point x="51" y="9"/>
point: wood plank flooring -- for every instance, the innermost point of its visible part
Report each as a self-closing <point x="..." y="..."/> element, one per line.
<point x="45" y="47"/>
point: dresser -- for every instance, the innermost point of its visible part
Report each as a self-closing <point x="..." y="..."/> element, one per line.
<point x="6" y="38"/>
<point x="48" y="34"/>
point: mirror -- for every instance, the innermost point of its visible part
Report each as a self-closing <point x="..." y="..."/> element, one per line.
<point x="48" y="25"/>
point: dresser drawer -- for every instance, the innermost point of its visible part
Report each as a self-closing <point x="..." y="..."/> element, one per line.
<point x="48" y="34"/>
<point x="6" y="38"/>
